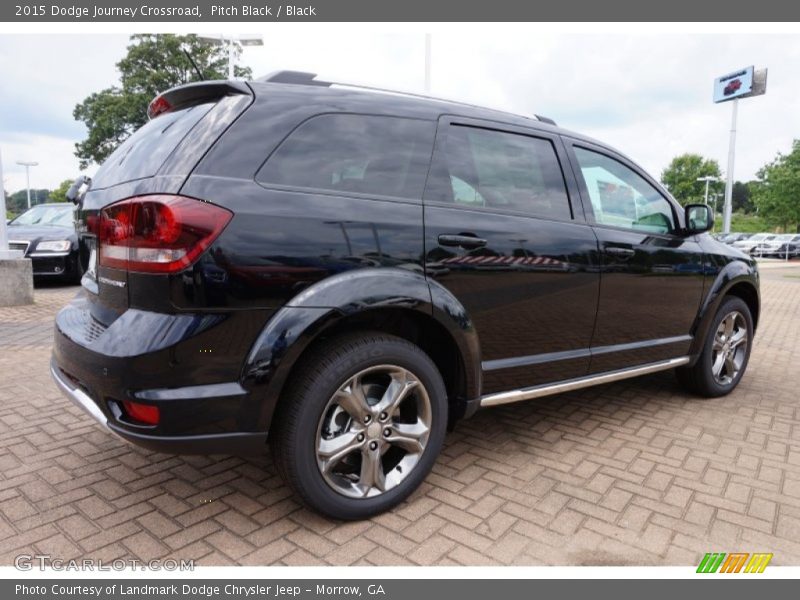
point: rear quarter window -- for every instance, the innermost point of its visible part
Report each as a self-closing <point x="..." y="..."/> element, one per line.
<point x="348" y="153"/>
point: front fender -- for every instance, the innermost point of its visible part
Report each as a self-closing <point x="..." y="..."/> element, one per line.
<point x="725" y="277"/>
<point x="322" y="305"/>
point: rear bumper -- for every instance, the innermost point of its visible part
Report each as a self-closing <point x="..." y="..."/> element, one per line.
<point x="153" y="359"/>
<point x="77" y="396"/>
<point x="239" y="443"/>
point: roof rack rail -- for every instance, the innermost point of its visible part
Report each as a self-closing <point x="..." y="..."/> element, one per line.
<point x="304" y="78"/>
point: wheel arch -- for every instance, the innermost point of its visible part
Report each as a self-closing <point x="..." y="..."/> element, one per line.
<point x="738" y="279"/>
<point x="747" y="292"/>
<point x="394" y="301"/>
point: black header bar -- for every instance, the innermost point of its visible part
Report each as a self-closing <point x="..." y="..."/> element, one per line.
<point x="144" y="11"/>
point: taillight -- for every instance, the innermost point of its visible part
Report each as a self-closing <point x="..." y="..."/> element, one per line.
<point x="143" y="413"/>
<point x="158" y="233"/>
<point x="158" y="106"/>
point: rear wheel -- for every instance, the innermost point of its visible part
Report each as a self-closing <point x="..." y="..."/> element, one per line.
<point x="725" y="354"/>
<point x="361" y="426"/>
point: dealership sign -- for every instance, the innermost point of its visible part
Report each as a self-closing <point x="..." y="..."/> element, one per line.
<point x="743" y="83"/>
<point x="733" y="85"/>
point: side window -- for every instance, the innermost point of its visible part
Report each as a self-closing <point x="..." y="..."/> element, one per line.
<point x="482" y="167"/>
<point x="621" y="197"/>
<point x="386" y="156"/>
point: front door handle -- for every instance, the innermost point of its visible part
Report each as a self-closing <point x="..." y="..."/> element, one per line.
<point x="463" y="241"/>
<point x="620" y="252"/>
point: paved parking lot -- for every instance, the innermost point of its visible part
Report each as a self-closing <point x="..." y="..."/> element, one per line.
<point x="630" y="473"/>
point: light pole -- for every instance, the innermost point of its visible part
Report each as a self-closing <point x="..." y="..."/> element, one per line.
<point x="708" y="179"/>
<point x="28" y="164"/>
<point x="248" y="39"/>
<point x="714" y="197"/>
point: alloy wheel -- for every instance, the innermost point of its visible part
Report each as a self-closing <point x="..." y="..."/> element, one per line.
<point x="373" y="431"/>
<point x="729" y="350"/>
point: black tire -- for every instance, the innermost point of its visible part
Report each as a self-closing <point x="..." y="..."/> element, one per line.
<point x="75" y="271"/>
<point x="699" y="378"/>
<point x="297" y="422"/>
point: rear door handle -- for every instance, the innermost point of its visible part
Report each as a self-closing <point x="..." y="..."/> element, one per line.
<point x="620" y="252"/>
<point x="463" y="241"/>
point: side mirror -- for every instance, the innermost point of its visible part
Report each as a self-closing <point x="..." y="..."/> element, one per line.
<point x="699" y="218"/>
<point x="73" y="193"/>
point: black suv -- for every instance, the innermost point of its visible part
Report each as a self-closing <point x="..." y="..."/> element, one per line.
<point x="345" y="272"/>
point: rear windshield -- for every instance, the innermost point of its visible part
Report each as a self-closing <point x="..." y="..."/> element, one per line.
<point x="143" y="153"/>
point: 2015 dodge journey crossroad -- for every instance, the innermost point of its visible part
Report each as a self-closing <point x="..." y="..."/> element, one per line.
<point x="341" y="273"/>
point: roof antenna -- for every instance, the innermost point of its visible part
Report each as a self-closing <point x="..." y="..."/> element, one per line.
<point x="185" y="48"/>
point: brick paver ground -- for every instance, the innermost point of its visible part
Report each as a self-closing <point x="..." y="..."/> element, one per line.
<point x="630" y="473"/>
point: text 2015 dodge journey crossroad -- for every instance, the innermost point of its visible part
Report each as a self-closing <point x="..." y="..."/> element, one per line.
<point x="342" y="273"/>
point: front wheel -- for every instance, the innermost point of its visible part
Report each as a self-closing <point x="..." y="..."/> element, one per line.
<point x="361" y="426"/>
<point x="725" y="354"/>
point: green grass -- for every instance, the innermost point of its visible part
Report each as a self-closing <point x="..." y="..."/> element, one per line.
<point x="742" y="223"/>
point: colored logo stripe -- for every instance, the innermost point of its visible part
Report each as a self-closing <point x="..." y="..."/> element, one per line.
<point x="734" y="563"/>
<point x="758" y="562"/>
<point x="711" y="562"/>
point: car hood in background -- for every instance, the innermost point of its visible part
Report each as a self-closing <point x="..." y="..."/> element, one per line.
<point x="39" y="232"/>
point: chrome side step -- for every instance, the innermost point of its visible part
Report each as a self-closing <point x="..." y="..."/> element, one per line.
<point x="549" y="389"/>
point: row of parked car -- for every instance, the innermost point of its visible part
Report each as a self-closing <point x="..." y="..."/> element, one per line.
<point x="774" y="245"/>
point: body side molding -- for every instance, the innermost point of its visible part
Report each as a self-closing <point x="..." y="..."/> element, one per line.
<point x="581" y="382"/>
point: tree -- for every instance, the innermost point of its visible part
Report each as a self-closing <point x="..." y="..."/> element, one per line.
<point x="18" y="201"/>
<point x="680" y="177"/>
<point x="60" y="193"/>
<point x="777" y="193"/>
<point x="153" y="64"/>
<point x="740" y="197"/>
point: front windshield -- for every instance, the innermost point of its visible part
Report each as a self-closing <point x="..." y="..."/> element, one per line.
<point x="759" y="237"/>
<point x="53" y="216"/>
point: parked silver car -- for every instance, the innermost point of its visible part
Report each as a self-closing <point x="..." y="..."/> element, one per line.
<point x="783" y="246"/>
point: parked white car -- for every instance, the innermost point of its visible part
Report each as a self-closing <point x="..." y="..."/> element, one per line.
<point x="752" y="244"/>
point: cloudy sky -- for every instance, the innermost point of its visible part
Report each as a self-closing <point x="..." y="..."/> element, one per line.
<point x="647" y="94"/>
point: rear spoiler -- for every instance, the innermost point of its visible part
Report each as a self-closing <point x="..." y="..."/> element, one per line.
<point x="194" y="93"/>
